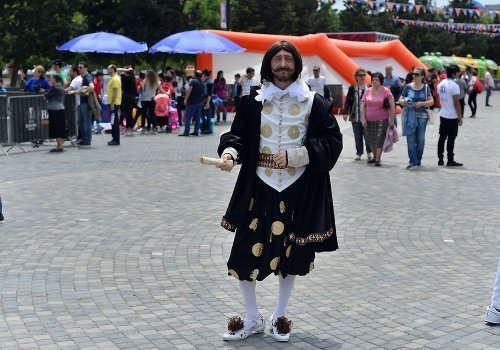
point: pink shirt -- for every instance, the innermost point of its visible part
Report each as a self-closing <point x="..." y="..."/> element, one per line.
<point x="375" y="104"/>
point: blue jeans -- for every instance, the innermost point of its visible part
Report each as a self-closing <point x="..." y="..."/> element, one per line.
<point x="416" y="142"/>
<point x="193" y="110"/>
<point x="115" y="127"/>
<point x="206" y="123"/>
<point x="488" y="94"/>
<point x="85" y="123"/>
<point x="224" y="110"/>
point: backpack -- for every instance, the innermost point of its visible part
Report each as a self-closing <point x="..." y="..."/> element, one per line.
<point x="478" y="87"/>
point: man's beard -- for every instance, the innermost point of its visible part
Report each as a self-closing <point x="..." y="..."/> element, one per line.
<point x="283" y="79"/>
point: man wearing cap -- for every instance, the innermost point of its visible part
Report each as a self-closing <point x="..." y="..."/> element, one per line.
<point x="57" y="67"/>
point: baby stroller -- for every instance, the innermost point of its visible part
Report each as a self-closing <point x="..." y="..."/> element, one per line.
<point x="162" y="105"/>
<point x="173" y="117"/>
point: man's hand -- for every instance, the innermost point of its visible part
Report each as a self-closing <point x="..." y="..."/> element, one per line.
<point x="391" y="123"/>
<point x="228" y="163"/>
<point x="111" y="108"/>
<point x="280" y="159"/>
<point x="460" y="122"/>
<point x="364" y="123"/>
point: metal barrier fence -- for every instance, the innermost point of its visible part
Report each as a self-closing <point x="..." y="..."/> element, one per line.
<point x="25" y="118"/>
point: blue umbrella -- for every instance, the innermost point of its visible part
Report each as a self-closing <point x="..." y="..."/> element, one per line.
<point x="195" y="41"/>
<point x="103" y="42"/>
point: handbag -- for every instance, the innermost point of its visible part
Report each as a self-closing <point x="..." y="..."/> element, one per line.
<point x="431" y="115"/>
<point x="387" y="104"/>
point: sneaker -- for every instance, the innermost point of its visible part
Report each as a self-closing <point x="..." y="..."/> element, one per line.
<point x="1" y="217"/>
<point x="358" y="157"/>
<point x="453" y="163"/>
<point x="472" y="116"/>
<point x="113" y="143"/>
<point x="371" y="161"/>
<point x="440" y="162"/>
<point x="56" y="150"/>
<point x="183" y="135"/>
<point x="409" y="167"/>
<point x="492" y="315"/>
<point x="194" y="134"/>
<point x="378" y="163"/>
<point x="236" y="329"/>
<point x="84" y="145"/>
<point x="280" y="328"/>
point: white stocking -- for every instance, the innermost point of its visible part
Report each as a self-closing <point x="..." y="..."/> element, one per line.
<point x="250" y="299"/>
<point x="495" y="299"/>
<point x="286" y="286"/>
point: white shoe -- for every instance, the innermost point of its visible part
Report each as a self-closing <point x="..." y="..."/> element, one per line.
<point x="492" y="315"/>
<point x="369" y="156"/>
<point x="279" y="335"/>
<point x="257" y="326"/>
<point x="358" y="157"/>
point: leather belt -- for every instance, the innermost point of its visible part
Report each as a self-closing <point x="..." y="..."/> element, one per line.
<point x="267" y="161"/>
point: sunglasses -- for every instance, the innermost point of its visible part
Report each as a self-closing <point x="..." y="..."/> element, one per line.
<point x="415" y="74"/>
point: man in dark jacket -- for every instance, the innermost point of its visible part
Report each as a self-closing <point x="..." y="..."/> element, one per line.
<point x="287" y="141"/>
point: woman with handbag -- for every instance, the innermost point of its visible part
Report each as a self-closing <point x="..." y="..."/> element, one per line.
<point x="421" y="99"/>
<point x="377" y="114"/>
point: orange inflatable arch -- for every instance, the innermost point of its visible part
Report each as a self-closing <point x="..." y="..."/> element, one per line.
<point x="339" y="55"/>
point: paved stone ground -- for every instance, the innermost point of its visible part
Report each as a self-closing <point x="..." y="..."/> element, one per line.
<point x="121" y="248"/>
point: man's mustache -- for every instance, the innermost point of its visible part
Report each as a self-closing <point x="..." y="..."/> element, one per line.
<point x="284" y="69"/>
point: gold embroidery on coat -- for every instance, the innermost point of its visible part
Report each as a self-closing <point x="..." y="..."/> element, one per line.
<point x="288" y="251"/>
<point x="282" y="207"/>
<point x="306" y="119"/>
<point x="294" y="132"/>
<point x="253" y="224"/>
<point x="227" y="225"/>
<point x="257" y="249"/>
<point x="267" y="131"/>
<point x="234" y="274"/>
<point x="274" y="263"/>
<point x="311" y="238"/>
<point x="294" y="109"/>
<point x="254" y="274"/>
<point x="269" y="172"/>
<point x="267" y="108"/>
<point x="266" y="150"/>
<point x="291" y="171"/>
<point x="250" y="205"/>
<point x="277" y="228"/>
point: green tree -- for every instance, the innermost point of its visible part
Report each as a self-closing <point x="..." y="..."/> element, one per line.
<point x="357" y="17"/>
<point x="33" y="29"/>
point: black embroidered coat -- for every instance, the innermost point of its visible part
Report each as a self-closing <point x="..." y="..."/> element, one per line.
<point x="324" y="145"/>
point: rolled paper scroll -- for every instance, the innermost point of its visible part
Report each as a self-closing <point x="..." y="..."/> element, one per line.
<point x="211" y="161"/>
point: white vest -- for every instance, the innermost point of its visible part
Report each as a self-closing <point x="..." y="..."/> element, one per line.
<point x="284" y="121"/>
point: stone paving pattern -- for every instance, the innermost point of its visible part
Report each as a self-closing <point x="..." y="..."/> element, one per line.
<point x="121" y="248"/>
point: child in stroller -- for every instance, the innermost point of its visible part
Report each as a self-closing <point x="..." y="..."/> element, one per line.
<point x="166" y="113"/>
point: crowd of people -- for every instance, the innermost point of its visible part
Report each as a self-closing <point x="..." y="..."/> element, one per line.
<point x="203" y="101"/>
<point x="371" y="108"/>
<point x="130" y="98"/>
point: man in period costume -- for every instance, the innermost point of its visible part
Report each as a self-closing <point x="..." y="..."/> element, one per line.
<point x="287" y="141"/>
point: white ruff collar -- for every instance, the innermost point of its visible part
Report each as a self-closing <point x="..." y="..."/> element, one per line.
<point x="269" y="91"/>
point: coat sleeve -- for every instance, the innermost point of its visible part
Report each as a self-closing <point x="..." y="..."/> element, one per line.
<point x="324" y="142"/>
<point x="349" y="100"/>
<point x="237" y="137"/>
